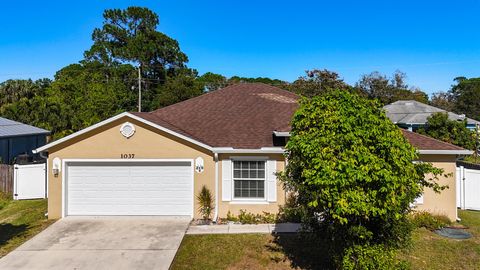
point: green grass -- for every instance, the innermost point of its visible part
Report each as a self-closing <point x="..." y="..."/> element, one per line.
<point x="431" y="251"/>
<point x="289" y="251"/>
<point x="19" y="221"/>
<point x="248" y="251"/>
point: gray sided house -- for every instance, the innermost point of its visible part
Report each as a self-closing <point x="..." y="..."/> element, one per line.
<point x="19" y="139"/>
<point x="411" y="114"/>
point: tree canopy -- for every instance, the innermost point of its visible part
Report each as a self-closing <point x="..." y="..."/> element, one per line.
<point x="131" y="36"/>
<point x="466" y="96"/>
<point x="455" y="132"/>
<point x="388" y="90"/>
<point x="317" y="82"/>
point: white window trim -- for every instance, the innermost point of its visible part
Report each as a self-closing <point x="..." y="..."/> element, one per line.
<point x="420" y="199"/>
<point x="249" y="200"/>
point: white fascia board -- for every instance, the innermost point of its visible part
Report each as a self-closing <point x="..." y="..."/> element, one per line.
<point x="281" y="133"/>
<point x="445" y="152"/>
<point x="116" y="117"/>
<point x="263" y="150"/>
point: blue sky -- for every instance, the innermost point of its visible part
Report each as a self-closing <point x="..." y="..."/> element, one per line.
<point x="432" y="41"/>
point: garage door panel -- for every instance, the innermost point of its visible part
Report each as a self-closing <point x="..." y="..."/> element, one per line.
<point x="130" y="188"/>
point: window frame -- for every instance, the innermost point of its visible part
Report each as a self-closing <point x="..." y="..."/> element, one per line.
<point x="265" y="191"/>
<point x="420" y="199"/>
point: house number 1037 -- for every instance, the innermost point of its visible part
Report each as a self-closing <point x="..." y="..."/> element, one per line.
<point x="127" y="155"/>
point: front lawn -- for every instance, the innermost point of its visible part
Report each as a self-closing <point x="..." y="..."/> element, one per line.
<point x="431" y="251"/>
<point x="20" y="221"/>
<point x="247" y="251"/>
<point x="289" y="251"/>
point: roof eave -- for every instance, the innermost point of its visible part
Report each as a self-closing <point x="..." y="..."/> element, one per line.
<point x="116" y="117"/>
<point x="445" y="152"/>
<point x="26" y="134"/>
<point x="281" y="133"/>
<point x="263" y="150"/>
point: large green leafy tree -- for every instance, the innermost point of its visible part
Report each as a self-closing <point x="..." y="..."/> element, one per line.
<point x="451" y="131"/>
<point x="388" y="90"/>
<point x="25" y="101"/>
<point x="130" y="36"/>
<point x="353" y="172"/>
<point x="90" y="92"/>
<point x="466" y="96"/>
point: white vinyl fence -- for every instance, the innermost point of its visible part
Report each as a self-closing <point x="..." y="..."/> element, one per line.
<point x="468" y="188"/>
<point x="30" y="182"/>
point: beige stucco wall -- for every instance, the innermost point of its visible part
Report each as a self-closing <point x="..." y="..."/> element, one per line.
<point x="106" y="142"/>
<point x="443" y="203"/>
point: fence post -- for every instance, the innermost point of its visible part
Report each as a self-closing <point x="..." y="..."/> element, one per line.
<point x="6" y="178"/>
<point x="462" y="178"/>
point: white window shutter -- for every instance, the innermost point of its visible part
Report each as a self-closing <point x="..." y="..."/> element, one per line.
<point x="271" y="180"/>
<point x="226" y="180"/>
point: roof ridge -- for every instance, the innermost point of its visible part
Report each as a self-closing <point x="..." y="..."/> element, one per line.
<point x="221" y="90"/>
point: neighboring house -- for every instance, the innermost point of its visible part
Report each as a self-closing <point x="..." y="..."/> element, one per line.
<point x="411" y="114"/>
<point x="19" y="139"/>
<point x="230" y="140"/>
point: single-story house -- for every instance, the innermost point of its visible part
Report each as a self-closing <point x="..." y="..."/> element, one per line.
<point x="230" y="140"/>
<point x="17" y="138"/>
<point x="411" y="114"/>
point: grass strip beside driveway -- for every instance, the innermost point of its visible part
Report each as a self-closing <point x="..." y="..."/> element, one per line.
<point x="20" y="221"/>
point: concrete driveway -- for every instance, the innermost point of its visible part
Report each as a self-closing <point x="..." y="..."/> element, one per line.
<point x="101" y="243"/>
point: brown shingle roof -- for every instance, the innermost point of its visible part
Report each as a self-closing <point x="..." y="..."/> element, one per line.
<point x="422" y="142"/>
<point x="239" y="116"/>
<point x="244" y="116"/>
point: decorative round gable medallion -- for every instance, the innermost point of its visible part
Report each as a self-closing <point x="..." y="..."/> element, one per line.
<point x="127" y="130"/>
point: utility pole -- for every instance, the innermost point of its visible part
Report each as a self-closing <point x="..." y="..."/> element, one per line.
<point x="139" y="89"/>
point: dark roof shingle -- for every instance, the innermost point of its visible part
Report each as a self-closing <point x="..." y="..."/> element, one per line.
<point x="239" y="116"/>
<point x="422" y="142"/>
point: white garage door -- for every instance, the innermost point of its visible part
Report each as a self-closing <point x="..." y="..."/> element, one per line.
<point x="129" y="188"/>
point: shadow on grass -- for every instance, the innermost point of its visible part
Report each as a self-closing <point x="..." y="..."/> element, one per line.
<point x="303" y="250"/>
<point x="9" y="231"/>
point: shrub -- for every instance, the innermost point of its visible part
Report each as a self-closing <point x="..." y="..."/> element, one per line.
<point x="249" y="218"/>
<point x="231" y="217"/>
<point x="291" y="211"/>
<point x="268" y="217"/>
<point x="368" y="257"/>
<point x="205" y="201"/>
<point x="427" y="220"/>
